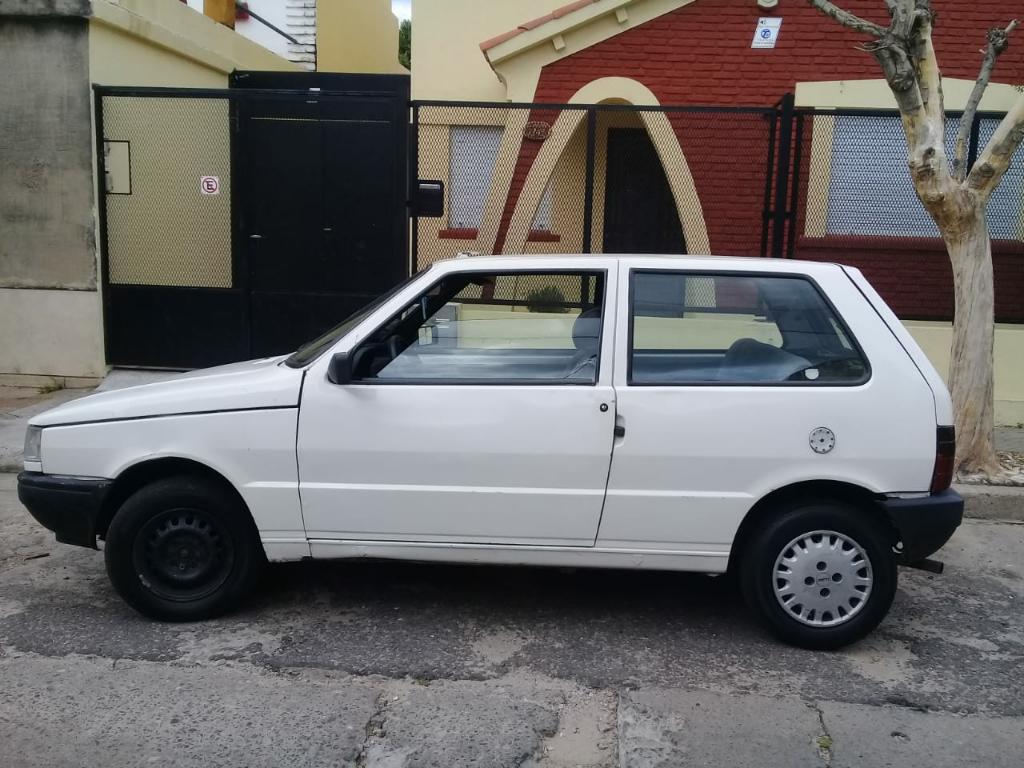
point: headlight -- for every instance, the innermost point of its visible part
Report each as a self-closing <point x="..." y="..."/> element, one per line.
<point x="33" y="444"/>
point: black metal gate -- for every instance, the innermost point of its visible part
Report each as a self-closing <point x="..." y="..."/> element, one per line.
<point x="239" y="223"/>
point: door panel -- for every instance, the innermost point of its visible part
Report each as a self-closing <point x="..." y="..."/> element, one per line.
<point x="469" y="463"/>
<point x="324" y="218"/>
<point x="695" y="457"/>
<point x="479" y="413"/>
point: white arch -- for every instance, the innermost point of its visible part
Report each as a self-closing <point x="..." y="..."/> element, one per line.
<point x="666" y="144"/>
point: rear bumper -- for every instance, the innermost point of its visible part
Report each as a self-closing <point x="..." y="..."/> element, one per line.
<point x="925" y="524"/>
<point x="68" y="506"/>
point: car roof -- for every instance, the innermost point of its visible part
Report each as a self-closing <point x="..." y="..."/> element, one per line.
<point x="677" y="261"/>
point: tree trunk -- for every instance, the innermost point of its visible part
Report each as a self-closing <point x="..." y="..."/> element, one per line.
<point x="970" y="368"/>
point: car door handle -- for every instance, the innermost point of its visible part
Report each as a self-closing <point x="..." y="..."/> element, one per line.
<point x="620" y="430"/>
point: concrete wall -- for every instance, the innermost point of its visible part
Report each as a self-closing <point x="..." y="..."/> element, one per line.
<point x="357" y="36"/>
<point x="46" y="183"/>
<point x="47" y="193"/>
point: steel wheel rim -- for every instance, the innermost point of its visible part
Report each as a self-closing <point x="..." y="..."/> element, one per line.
<point x="822" y="578"/>
<point x="183" y="555"/>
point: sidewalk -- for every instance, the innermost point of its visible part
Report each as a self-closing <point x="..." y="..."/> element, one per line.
<point x="989" y="502"/>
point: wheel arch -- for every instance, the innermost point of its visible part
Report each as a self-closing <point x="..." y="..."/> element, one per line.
<point x="141" y="474"/>
<point x="812" y="490"/>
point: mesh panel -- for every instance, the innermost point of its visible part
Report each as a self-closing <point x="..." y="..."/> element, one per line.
<point x="1006" y="206"/>
<point x="857" y="183"/>
<point x="663" y="180"/>
<point x="161" y="228"/>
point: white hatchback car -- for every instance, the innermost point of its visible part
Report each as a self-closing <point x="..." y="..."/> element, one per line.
<point x="771" y="418"/>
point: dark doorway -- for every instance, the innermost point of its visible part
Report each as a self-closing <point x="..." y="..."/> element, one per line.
<point x="639" y="210"/>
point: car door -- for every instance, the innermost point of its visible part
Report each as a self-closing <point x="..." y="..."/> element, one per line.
<point x="725" y="381"/>
<point x="481" y="411"/>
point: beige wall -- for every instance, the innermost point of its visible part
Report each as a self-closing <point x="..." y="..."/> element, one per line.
<point x="447" y="61"/>
<point x="357" y="36"/>
<point x="936" y="338"/>
<point x="160" y="43"/>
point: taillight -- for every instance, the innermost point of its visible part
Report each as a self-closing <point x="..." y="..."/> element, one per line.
<point x="945" y="454"/>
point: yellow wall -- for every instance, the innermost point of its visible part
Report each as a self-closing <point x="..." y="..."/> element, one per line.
<point x="446" y="37"/>
<point x="357" y="36"/>
<point x="935" y="338"/>
<point x="159" y="43"/>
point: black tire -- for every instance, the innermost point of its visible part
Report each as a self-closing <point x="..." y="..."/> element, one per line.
<point x="183" y="549"/>
<point x="857" y="528"/>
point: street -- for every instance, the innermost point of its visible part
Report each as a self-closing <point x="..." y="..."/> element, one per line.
<point x="387" y="664"/>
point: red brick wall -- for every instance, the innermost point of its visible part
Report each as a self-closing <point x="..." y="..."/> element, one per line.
<point x="701" y="54"/>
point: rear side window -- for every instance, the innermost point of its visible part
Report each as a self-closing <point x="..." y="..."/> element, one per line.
<point x="689" y="328"/>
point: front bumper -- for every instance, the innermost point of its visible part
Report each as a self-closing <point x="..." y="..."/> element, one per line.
<point x="925" y="524"/>
<point x="68" y="506"/>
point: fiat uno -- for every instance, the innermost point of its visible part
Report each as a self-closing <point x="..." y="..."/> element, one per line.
<point x="771" y="419"/>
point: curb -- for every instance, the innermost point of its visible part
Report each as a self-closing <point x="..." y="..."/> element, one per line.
<point x="992" y="502"/>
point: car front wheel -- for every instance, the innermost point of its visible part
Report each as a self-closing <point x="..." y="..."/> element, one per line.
<point x="183" y="549"/>
<point x="820" y="575"/>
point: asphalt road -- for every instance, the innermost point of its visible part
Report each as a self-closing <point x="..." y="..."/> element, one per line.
<point x="388" y="665"/>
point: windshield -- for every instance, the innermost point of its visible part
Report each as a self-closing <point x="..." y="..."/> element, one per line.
<point x="310" y="351"/>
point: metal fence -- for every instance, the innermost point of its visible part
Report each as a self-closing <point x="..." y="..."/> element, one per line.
<point x="609" y="178"/>
<point x="563" y="178"/>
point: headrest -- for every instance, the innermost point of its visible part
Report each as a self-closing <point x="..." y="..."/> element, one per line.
<point x="586" y="331"/>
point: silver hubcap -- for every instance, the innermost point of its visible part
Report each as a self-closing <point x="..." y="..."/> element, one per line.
<point x="822" y="578"/>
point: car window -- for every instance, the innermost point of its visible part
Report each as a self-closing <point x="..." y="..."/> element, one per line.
<point x="737" y="329"/>
<point x="311" y="350"/>
<point x="491" y="326"/>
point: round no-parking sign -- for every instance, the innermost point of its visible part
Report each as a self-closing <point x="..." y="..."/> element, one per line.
<point x="209" y="185"/>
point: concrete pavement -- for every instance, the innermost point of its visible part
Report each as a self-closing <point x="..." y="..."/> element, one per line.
<point x="378" y="664"/>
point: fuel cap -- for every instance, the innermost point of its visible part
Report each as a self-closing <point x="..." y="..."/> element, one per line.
<point x="822" y="440"/>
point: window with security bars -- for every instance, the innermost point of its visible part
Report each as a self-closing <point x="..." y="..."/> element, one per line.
<point x="473" y="154"/>
<point x="870" y="192"/>
<point x="542" y="218"/>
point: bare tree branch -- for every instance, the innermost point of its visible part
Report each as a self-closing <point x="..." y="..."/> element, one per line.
<point x="929" y="79"/>
<point x="902" y="19"/>
<point x="847" y="19"/>
<point x="995" y="159"/>
<point x="998" y="40"/>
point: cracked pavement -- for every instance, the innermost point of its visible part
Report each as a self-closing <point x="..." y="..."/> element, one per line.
<point x="394" y="664"/>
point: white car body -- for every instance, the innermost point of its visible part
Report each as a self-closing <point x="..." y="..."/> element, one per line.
<point x="523" y="473"/>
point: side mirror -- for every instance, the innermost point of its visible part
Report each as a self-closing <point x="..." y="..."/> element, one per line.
<point x="340" y="369"/>
<point x="428" y="199"/>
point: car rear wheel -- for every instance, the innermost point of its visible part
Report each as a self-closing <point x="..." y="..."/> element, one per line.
<point x="820" y="575"/>
<point x="183" y="549"/>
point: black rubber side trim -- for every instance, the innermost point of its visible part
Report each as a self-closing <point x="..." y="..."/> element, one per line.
<point x="172" y="415"/>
